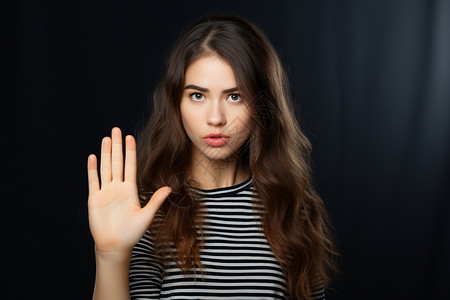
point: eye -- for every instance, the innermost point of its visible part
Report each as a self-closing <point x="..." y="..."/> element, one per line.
<point x="197" y="96"/>
<point x="234" y="98"/>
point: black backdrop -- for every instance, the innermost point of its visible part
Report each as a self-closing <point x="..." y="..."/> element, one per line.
<point x="371" y="84"/>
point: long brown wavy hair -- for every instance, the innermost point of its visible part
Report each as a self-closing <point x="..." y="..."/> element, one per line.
<point x="277" y="154"/>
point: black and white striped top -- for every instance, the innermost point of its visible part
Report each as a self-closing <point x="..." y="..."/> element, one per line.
<point x="237" y="260"/>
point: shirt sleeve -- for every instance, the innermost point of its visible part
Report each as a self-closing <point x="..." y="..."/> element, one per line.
<point x="318" y="292"/>
<point x="146" y="273"/>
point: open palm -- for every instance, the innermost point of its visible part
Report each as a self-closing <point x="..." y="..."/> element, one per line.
<point x="116" y="219"/>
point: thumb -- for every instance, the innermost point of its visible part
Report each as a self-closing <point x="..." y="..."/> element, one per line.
<point x="156" y="201"/>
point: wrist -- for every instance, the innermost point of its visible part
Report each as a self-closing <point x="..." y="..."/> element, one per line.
<point x="112" y="271"/>
<point x="113" y="256"/>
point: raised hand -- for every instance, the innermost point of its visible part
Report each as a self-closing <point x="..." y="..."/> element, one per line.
<point x="116" y="219"/>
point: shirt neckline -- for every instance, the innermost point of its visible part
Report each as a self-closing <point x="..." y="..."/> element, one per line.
<point x="231" y="188"/>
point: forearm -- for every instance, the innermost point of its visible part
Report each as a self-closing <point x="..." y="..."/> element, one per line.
<point x="111" y="282"/>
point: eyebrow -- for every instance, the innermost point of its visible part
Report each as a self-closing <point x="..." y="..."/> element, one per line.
<point x="205" y="90"/>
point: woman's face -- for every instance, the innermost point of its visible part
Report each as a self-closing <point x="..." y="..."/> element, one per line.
<point x="213" y="113"/>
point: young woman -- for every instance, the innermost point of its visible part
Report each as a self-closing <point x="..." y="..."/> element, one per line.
<point x="220" y="203"/>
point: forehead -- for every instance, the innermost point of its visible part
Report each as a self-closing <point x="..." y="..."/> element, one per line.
<point x="209" y="72"/>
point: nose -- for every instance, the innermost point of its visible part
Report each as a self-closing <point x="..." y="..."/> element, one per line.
<point x="216" y="114"/>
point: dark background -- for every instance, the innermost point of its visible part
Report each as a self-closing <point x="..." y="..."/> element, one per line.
<point x="371" y="81"/>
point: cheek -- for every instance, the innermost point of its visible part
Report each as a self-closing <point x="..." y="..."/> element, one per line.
<point x="186" y="124"/>
<point x="247" y="122"/>
<point x="244" y="128"/>
<point x="188" y="120"/>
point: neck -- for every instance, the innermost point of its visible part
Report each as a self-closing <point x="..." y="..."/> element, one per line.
<point x="212" y="173"/>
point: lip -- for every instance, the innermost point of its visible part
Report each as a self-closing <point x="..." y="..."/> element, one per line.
<point x="216" y="139"/>
<point x="215" y="135"/>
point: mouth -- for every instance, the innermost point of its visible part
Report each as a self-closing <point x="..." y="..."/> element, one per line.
<point x="216" y="136"/>
<point x="216" y="139"/>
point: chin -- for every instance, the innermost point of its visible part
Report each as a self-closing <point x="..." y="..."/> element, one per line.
<point x="219" y="155"/>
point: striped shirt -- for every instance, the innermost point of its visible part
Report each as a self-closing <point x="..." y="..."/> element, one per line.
<point x="236" y="257"/>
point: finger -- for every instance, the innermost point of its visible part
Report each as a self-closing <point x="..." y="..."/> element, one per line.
<point x="156" y="201"/>
<point x="117" y="155"/>
<point x="105" y="161"/>
<point x="93" y="183"/>
<point x="130" y="159"/>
